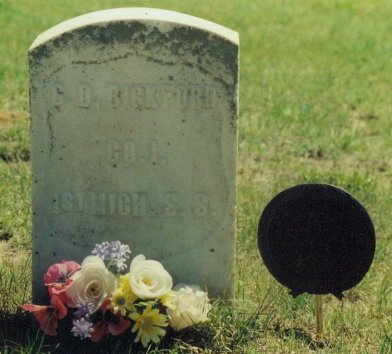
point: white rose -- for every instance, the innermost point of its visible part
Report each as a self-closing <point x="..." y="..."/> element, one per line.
<point x="191" y="307"/>
<point x="93" y="283"/>
<point x="148" y="279"/>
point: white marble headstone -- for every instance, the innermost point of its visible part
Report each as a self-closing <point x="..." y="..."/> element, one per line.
<point x="134" y="138"/>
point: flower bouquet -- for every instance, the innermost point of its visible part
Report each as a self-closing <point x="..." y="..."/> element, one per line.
<point x="104" y="299"/>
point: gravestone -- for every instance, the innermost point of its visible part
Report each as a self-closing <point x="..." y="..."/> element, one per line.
<point x="134" y="138"/>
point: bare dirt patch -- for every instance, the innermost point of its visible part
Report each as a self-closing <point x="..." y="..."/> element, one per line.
<point x="8" y="118"/>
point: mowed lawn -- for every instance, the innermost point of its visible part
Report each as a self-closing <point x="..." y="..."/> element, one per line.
<point x="315" y="106"/>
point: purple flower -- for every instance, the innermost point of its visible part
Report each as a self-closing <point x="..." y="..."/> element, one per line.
<point x="82" y="328"/>
<point x="102" y="251"/>
<point x="113" y="252"/>
<point x="84" y="310"/>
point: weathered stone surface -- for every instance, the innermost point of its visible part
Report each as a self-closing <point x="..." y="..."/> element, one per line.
<point x="134" y="134"/>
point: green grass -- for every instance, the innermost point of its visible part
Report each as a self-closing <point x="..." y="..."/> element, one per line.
<point x="315" y="106"/>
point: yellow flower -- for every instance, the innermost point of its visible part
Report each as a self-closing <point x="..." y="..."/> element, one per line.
<point x="169" y="300"/>
<point x="148" y="325"/>
<point x="123" y="297"/>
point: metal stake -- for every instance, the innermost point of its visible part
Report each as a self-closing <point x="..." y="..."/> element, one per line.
<point x="319" y="314"/>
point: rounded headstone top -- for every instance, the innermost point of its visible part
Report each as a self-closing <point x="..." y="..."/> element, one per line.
<point x="316" y="238"/>
<point x="135" y="14"/>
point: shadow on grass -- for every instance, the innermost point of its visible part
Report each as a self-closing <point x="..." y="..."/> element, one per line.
<point x="301" y="335"/>
<point x="14" y="155"/>
<point x="20" y="332"/>
<point x="13" y="327"/>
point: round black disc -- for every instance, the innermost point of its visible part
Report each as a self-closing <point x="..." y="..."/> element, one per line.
<point x="316" y="238"/>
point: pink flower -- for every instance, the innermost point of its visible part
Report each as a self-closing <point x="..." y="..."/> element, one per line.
<point x="109" y="324"/>
<point x="48" y="316"/>
<point x="58" y="278"/>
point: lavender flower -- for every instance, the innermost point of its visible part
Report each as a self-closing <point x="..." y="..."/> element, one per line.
<point x="114" y="252"/>
<point x="84" y="310"/>
<point x="102" y="251"/>
<point x="82" y="328"/>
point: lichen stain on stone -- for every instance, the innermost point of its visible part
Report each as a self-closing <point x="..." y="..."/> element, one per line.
<point x="179" y="41"/>
<point x="201" y="43"/>
<point x="116" y="58"/>
<point x="114" y="32"/>
<point x="54" y="72"/>
<point x="51" y="133"/>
